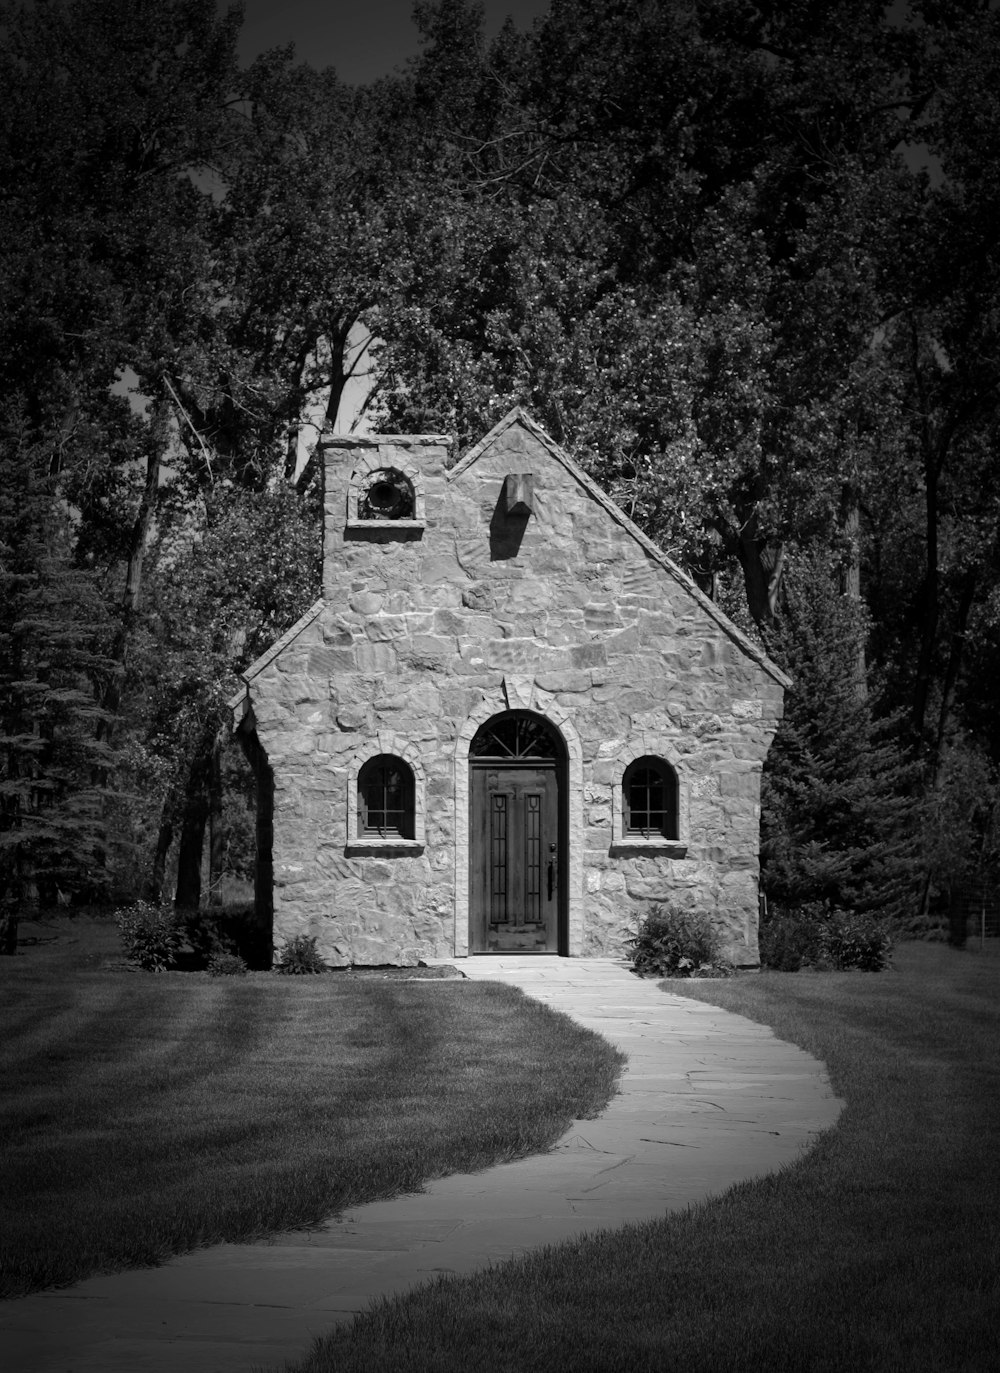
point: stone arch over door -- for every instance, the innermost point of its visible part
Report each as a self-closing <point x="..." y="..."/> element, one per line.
<point x="519" y="694"/>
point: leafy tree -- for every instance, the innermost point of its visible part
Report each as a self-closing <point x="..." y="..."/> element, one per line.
<point x="314" y="208"/>
<point x="111" y="109"/>
<point x="225" y="587"/>
<point x="940" y="562"/>
<point x="310" y="208"/>
<point x="129" y="261"/>
<point x="960" y="838"/>
<point x="112" y="113"/>
<point x="693" y="239"/>
<point x="651" y="227"/>
<point x="689" y="237"/>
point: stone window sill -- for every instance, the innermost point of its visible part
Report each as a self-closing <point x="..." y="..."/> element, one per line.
<point x="376" y="846"/>
<point x="632" y="845"/>
<point x="384" y="530"/>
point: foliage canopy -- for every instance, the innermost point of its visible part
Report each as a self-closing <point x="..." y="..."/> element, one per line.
<point x="740" y="259"/>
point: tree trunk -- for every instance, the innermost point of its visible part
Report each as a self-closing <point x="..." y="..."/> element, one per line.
<point x="341" y="370"/>
<point x="111" y="698"/>
<point x="850" y="578"/>
<point x="164" y="838"/>
<point x="966" y="597"/>
<point x="929" y="608"/>
<point x="216" y="830"/>
<point x="337" y="383"/>
<point x="763" y="565"/>
<point x="188" y="893"/>
<point x="934" y="451"/>
<point x="192" y="841"/>
<point x="263" y="861"/>
<point x="956" y="648"/>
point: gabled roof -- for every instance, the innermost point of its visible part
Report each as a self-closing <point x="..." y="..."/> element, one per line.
<point x="239" y="703"/>
<point x="519" y="416"/>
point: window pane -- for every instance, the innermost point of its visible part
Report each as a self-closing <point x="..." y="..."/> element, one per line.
<point x="516" y="734"/>
<point x="385" y="799"/>
<point x="649" y="801"/>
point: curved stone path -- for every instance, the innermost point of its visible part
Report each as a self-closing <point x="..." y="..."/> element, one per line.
<point x="709" y="1099"/>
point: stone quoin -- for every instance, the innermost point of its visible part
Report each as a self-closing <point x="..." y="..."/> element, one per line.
<point x="511" y="724"/>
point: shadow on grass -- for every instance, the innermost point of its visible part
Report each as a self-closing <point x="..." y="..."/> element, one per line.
<point x="147" y="1114"/>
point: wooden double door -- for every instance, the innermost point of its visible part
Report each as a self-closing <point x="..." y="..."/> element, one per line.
<point x="515" y="856"/>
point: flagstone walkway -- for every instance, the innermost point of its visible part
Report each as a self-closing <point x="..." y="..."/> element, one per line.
<point x="708" y="1099"/>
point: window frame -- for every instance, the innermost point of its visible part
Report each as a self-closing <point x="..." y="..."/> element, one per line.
<point x="671" y="839"/>
<point x="410" y="837"/>
<point x="667" y="780"/>
<point x="375" y="772"/>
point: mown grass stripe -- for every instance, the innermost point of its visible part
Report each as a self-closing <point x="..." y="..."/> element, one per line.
<point x="183" y="1110"/>
<point x="880" y="1250"/>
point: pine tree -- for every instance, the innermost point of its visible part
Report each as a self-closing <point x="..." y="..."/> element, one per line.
<point x="838" y="821"/>
<point x="54" y="769"/>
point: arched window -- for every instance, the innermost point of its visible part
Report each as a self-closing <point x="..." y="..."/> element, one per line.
<point x="516" y="734"/>
<point x="649" y="799"/>
<point x="385" y="798"/>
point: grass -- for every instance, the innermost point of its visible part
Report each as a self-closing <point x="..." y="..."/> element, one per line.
<point x="879" y="1250"/>
<point x="144" y="1115"/>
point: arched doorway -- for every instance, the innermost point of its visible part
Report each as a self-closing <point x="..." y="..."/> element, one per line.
<point x="517" y="836"/>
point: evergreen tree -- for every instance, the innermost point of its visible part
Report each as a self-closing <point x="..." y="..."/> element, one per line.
<point x="54" y="769"/>
<point x="838" y="822"/>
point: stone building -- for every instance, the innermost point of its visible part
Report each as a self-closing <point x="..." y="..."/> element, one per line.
<point x="510" y="724"/>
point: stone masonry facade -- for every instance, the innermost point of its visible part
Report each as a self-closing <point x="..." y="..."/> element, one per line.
<point x="509" y="583"/>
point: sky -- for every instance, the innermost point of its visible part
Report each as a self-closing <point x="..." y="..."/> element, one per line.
<point x="362" y="39"/>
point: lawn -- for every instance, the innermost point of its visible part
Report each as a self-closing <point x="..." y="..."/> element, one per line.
<point x="879" y="1250"/>
<point x="143" y="1115"/>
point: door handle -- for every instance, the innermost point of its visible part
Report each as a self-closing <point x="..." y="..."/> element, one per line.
<point x="552" y="870"/>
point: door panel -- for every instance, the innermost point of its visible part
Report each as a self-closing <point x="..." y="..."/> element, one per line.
<point x="514" y="858"/>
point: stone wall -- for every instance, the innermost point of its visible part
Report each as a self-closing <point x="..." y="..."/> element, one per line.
<point x="460" y="613"/>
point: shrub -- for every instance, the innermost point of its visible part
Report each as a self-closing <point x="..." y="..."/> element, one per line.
<point x="300" y="955"/>
<point x="226" y="965"/>
<point x="815" y="935"/>
<point x="676" y="943"/>
<point x="8" y="931"/>
<point x="151" y="935"/>
<point x="793" y="939"/>
<point x="853" y="940"/>
<point x="934" y="925"/>
<point x="202" y="934"/>
<point x="235" y="929"/>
